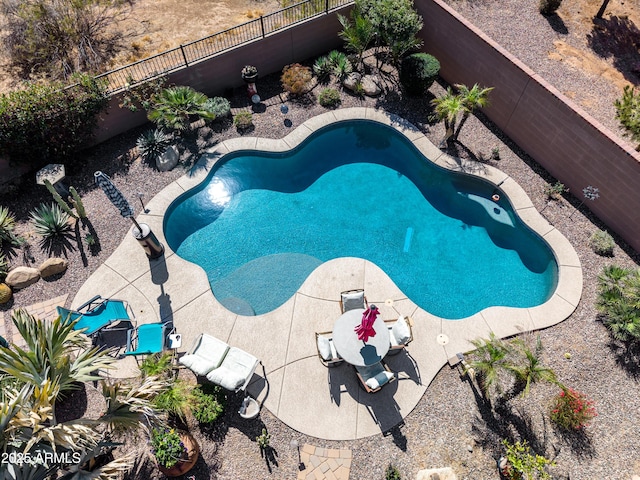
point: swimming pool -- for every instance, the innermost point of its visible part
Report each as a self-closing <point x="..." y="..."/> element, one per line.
<point x="262" y="222"/>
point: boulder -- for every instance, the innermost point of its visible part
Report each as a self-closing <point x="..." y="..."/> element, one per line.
<point x="352" y="80"/>
<point x="168" y="160"/>
<point x="52" y="266"/>
<point x="21" y="277"/>
<point x="371" y="85"/>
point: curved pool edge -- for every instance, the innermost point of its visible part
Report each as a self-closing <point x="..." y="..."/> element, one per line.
<point x="283" y="338"/>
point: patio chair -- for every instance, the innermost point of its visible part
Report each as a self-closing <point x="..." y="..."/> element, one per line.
<point x="352" y="299"/>
<point x="148" y="338"/>
<point x="374" y="377"/>
<point x="327" y="352"/>
<point x="97" y="314"/>
<point x="400" y="333"/>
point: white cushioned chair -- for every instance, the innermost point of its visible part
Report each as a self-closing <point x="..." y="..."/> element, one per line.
<point x="352" y="299"/>
<point x="327" y="350"/>
<point x="229" y="367"/>
<point x="374" y="377"/>
<point x="400" y="333"/>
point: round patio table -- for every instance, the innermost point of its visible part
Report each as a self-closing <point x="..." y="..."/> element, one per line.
<point x="355" y="351"/>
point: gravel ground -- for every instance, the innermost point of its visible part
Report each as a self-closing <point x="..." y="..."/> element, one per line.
<point x="447" y="427"/>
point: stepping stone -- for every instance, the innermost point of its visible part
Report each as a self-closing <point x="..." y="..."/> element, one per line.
<point x="319" y="463"/>
<point x="437" y="474"/>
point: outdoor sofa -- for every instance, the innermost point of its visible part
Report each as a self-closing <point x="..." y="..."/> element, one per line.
<point x="223" y="365"/>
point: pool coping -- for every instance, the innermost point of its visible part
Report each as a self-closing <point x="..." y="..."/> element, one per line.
<point x="292" y="383"/>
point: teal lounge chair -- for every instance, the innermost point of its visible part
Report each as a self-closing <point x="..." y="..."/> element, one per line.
<point x="97" y="314"/>
<point x="149" y="338"/>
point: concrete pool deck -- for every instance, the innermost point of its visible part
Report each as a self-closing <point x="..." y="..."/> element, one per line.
<point x="291" y="382"/>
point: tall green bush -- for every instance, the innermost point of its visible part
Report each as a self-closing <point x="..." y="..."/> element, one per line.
<point x="628" y="112"/>
<point x="47" y="123"/>
<point x="418" y="72"/>
<point x="619" y="301"/>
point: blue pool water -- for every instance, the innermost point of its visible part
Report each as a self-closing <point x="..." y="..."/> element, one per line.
<point x="262" y="222"/>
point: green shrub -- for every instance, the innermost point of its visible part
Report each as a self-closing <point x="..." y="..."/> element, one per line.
<point x="602" y="243"/>
<point x="4" y="267"/>
<point x="243" y="120"/>
<point x="618" y="293"/>
<point x="329" y="98"/>
<point x="207" y="407"/>
<point x="549" y="7"/>
<point x="48" y="123"/>
<point x="295" y="79"/>
<point x="176" y="400"/>
<point x="392" y="473"/>
<point x="418" y="72"/>
<point x="50" y="221"/>
<point x="521" y="463"/>
<point x="555" y="191"/>
<point x="628" y="112"/>
<point x="156" y="365"/>
<point x="572" y="410"/>
<point x="218" y="106"/>
<point x="152" y="143"/>
<point x="322" y="68"/>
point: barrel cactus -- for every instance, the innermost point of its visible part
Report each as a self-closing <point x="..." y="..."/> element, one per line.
<point x="5" y="293"/>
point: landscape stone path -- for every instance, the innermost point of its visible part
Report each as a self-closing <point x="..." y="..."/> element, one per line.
<point x="324" y="463"/>
<point x="43" y="310"/>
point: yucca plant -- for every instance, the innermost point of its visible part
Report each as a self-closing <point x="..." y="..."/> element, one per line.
<point x="152" y="143"/>
<point x="50" y="221"/>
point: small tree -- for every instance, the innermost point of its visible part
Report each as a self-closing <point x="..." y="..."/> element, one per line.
<point x="471" y="99"/>
<point x="357" y="33"/>
<point x="489" y="361"/>
<point x="447" y="108"/>
<point x="628" y="112"/>
<point x="396" y="24"/>
<point x="529" y="369"/>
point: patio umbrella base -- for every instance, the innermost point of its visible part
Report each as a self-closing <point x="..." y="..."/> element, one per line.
<point x="146" y="238"/>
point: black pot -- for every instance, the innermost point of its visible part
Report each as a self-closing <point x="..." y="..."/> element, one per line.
<point x="250" y="78"/>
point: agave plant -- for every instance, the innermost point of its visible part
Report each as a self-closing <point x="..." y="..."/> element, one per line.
<point x="7" y="225"/>
<point x="174" y="106"/>
<point x="152" y="143"/>
<point x="50" y="221"/>
<point x="322" y="68"/>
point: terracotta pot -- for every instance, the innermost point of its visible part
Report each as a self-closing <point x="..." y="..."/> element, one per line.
<point x="188" y="460"/>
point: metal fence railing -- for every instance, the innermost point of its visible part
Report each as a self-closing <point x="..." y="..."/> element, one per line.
<point x="206" y="47"/>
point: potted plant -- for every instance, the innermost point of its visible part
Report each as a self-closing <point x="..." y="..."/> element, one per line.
<point x="176" y="452"/>
<point x="249" y="73"/>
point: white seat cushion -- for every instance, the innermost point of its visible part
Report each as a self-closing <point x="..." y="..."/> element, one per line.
<point x="212" y="349"/>
<point x="226" y="378"/>
<point x="351" y="301"/>
<point x="198" y="365"/>
<point x="379" y="380"/>
<point x="401" y="332"/>
<point x="324" y="348"/>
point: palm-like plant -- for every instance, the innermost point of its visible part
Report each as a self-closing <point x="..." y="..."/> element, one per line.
<point x="33" y="382"/>
<point x="490" y="359"/>
<point x="619" y="300"/>
<point x="471" y="99"/>
<point x="55" y="352"/>
<point x="357" y="33"/>
<point x="447" y="108"/>
<point x="530" y="369"/>
<point x="174" y="106"/>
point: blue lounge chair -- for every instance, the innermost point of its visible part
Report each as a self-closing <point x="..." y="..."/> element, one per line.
<point x="149" y="338"/>
<point x="97" y="314"/>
